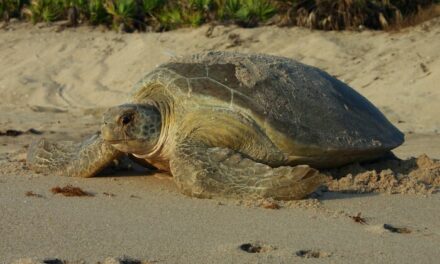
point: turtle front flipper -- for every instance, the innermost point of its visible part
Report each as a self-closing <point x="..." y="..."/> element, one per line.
<point x="71" y="159"/>
<point x="207" y="172"/>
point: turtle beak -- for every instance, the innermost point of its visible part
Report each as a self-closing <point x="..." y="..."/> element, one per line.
<point x="106" y="132"/>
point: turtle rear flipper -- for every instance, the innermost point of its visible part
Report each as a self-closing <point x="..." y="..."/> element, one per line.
<point x="207" y="172"/>
<point x="71" y="159"/>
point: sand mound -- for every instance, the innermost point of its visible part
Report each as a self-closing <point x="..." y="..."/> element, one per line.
<point x="414" y="176"/>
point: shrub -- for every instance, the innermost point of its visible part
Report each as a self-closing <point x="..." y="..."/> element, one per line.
<point x="96" y="12"/>
<point x="170" y="18"/>
<point x="247" y="13"/>
<point x="171" y="14"/>
<point x="197" y="12"/>
<point x="44" y="10"/>
<point x="123" y="13"/>
<point x="251" y="12"/>
<point x="149" y="6"/>
<point x="227" y="9"/>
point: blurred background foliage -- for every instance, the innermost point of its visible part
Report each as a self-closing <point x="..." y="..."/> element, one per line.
<point x="160" y="15"/>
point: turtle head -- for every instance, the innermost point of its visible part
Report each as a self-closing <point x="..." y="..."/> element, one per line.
<point x="132" y="128"/>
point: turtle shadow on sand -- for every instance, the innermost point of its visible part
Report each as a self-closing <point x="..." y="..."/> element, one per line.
<point x="128" y="165"/>
<point x="336" y="195"/>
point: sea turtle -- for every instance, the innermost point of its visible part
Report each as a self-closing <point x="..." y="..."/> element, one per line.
<point x="234" y="125"/>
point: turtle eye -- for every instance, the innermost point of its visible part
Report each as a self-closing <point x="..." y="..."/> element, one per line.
<point x="126" y="119"/>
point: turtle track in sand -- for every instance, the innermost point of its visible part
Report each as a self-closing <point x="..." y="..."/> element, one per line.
<point x="419" y="175"/>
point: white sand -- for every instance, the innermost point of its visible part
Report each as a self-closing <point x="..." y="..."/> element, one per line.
<point x="59" y="83"/>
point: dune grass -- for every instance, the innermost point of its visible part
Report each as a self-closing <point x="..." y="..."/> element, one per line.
<point x="159" y="15"/>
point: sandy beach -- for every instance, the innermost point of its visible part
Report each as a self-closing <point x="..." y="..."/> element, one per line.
<point x="58" y="83"/>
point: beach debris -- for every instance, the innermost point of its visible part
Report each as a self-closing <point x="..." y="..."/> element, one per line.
<point x="32" y="194"/>
<point x="109" y="194"/>
<point x="383" y="21"/>
<point x="358" y="219"/>
<point x="72" y="16"/>
<point x="14" y="133"/>
<point x="256" y="247"/>
<point x="308" y="253"/>
<point x="400" y="230"/>
<point x="70" y="191"/>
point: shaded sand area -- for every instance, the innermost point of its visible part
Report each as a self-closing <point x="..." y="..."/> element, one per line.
<point x="58" y="83"/>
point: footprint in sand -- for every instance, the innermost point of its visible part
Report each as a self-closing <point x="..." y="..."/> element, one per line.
<point x="123" y="260"/>
<point x="386" y="228"/>
<point x="256" y="247"/>
<point x="309" y="253"/>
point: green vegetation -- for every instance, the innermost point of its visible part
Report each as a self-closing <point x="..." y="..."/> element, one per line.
<point x="96" y="13"/>
<point x="251" y="12"/>
<point x="123" y="13"/>
<point x="44" y="10"/>
<point x="170" y="18"/>
<point x="159" y="15"/>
